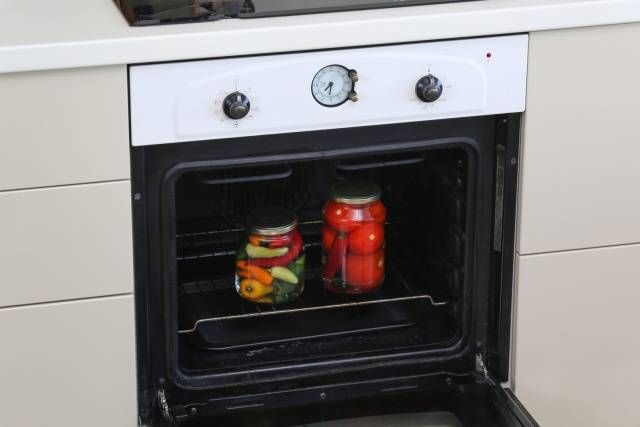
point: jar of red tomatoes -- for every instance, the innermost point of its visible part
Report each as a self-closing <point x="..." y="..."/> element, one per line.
<point x="353" y="238"/>
<point x="270" y="258"/>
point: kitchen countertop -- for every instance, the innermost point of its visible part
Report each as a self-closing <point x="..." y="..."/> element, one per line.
<point x="48" y="34"/>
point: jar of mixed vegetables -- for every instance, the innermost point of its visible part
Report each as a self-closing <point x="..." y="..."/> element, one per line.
<point x="353" y="238"/>
<point x="270" y="258"/>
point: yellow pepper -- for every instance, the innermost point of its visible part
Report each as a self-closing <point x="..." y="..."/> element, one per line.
<point x="252" y="289"/>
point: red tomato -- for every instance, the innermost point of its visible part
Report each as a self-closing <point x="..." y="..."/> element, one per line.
<point x="342" y="217"/>
<point x="378" y="212"/>
<point x="367" y="238"/>
<point x="364" y="271"/>
<point x="328" y="236"/>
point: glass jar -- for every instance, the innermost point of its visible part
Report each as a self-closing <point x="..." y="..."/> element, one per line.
<point x="270" y="258"/>
<point x="353" y="238"/>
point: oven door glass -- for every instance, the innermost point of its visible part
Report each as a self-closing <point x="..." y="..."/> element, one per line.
<point x="467" y="405"/>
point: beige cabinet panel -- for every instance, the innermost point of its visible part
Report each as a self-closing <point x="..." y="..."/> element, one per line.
<point x="65" y="242"/>
<point x="580" y="174"/>
<point x="63" y="127"/>
<point x="69" y="364"/>
<point x="576" y="337"/>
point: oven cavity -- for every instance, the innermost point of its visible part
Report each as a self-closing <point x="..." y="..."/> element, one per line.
<point x="419" y="306"/>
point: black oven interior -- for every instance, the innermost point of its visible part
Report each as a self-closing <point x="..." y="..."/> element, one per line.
<point x="420" y="304"/>
<point x="442" y="302"/>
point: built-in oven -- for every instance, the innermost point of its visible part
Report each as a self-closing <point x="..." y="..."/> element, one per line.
<point x="436" y="127"/>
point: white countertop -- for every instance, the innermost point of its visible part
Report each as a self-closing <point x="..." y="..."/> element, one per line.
<point x="51" y="34"/>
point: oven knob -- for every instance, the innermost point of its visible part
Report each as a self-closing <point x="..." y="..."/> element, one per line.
<point x="429" y="88"/>
<point x="236" y="105"/>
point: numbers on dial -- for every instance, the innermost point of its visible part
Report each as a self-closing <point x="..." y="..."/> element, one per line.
<point x="333" y="85"/>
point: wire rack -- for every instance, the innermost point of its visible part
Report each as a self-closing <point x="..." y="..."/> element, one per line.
<point x="216" y="300"/>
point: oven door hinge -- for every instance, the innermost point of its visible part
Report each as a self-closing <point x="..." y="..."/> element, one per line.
<point x="164" y="406"/>
<point x="482" y="371"/>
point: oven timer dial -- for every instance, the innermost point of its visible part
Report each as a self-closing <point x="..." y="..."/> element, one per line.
<point x="236" y="105"/>
<point x="429" y="88"/>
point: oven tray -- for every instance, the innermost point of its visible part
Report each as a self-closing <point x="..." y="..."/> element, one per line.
<point x="215" y="318"/>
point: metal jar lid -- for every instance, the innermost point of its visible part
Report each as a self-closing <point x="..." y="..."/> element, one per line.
<point x="355" y="192"/>
<point x="271" y="221"/>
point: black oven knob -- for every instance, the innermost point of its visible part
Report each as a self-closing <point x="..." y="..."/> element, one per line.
<point x="236" y="105"/>
<point x="429" y="88"/>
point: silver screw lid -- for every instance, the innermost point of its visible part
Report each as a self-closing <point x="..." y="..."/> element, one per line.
<point x="355" y="192"/>
<point x="271" y="221"/>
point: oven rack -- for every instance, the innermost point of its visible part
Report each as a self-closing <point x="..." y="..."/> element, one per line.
<point x="216" y="300"/>
<point x="214" y="317"/>
<point x="212" y="242"/>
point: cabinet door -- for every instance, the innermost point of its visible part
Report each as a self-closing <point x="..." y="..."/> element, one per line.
<point x="580" y="174"/>
<point x="69" y="364"/>
<point x="576" y="337"/>
<point x="64" y="127"/>
<point x="65" y="243"/>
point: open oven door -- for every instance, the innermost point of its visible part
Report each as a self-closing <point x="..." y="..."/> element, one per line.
<point x="470" y="405"/>
<point x="415" y="401"/>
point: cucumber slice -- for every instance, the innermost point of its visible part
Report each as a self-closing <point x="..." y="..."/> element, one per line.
<point x="285" y="274"/>
<point x="260" y="252"/>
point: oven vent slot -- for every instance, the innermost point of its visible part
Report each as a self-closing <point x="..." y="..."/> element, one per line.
<point x="351" y="165"/>
<point x="267" y="174"/>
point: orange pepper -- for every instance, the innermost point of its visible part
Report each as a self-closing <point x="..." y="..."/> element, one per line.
<point x="255" y="240"/>
<point x="249" y="271"/>
<point x="260" y="274"/>
<point x="243" y="273"/>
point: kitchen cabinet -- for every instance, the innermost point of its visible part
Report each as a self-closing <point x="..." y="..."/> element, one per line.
<point x="69" y="364"/>
<point x="576" y="337"/>
<point x="580" y="150"/>
<point x="65" y="243"/>
<point x="64" y="127"/>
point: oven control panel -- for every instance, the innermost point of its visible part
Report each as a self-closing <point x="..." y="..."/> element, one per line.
<point x="236" y="97"/>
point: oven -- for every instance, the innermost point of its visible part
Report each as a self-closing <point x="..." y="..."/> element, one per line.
<point x="436" y="126"/>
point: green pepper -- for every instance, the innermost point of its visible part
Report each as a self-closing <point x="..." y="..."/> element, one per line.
<point x="241" y="253"/>
<point x="297" y="266"/>
<point x="283" y="291"/>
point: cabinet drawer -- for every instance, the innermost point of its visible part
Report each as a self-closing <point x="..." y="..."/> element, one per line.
<point x="576" y="337"/>
<point x="65" y="243"/>
<point x="579" y="183"/>
<point x="69" y="364"/>
<point x="64" y="127"/>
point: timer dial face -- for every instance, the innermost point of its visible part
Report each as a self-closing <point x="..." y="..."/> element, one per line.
<point x="332" y="85"/>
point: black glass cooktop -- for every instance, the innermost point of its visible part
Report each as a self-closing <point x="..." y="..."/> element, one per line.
<point x="156" y="12"/>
